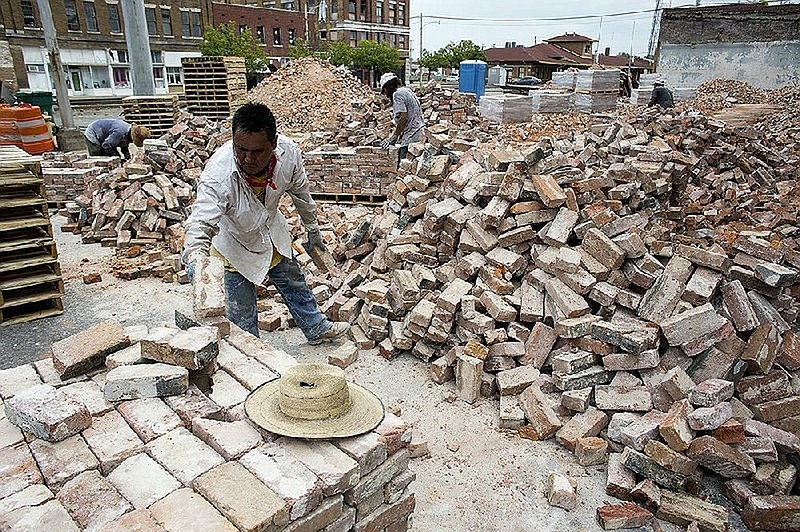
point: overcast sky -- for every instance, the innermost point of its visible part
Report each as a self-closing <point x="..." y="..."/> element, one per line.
<point x="617" y="32"/>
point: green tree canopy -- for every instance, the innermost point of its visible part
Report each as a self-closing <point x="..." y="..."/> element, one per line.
<point x="377" y="56"/>
<point x="300" y="50"/>
<point x="226" y="40"/>
<point x="452" y="55"/>
<point x="338" y="53"/>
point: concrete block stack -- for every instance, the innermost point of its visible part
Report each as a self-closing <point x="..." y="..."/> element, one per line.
<point x="114" y="432"/>
<point x="609" y="286"/>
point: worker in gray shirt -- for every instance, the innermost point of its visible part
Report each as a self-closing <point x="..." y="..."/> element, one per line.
<point x="661" y="96"/>
<point x="407" y="114"/>
<point x="108" y="136"/>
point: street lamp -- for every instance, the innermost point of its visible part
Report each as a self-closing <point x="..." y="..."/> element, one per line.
<point x="421" y="27"/>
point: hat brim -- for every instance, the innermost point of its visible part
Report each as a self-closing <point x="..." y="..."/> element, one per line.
<point x="366" y="413"/>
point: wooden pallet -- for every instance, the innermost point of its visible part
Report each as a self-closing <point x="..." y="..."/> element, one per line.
<point x="31" y="311"/>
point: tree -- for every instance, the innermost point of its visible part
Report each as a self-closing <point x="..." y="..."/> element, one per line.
<point x="225" y="40"/>
<point x="338" y="53"/>
<point x="376" y="56"/>
<point x="300" y="50"/>
<point x="452" y="55"/>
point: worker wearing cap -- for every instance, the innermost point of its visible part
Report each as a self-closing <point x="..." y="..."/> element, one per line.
<point x="407" y="114"/>
<point x="661" y="96"/>
<point x="108" y="136"/>
<point x="236" y="218"/>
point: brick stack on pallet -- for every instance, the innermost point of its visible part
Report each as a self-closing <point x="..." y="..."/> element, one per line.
<point x="118" y="436"/>
<point x="564" y="80"/>
<point x="30" y="275"/>
<point x="442" y="104"/>
<point x="158" y="113"/>
<point x="506" y="109"/>
<point x="214" y="86"/>
<point x="547" y="101"/>
<point x="596" y="91"/>
<point x="344" y="173"/>
<point x="621" y="292"/>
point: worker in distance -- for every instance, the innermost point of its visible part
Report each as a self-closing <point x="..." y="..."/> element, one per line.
<point x="111" y="136"/>
<point x="407" y="115"/>
<point x="236" y="218"/>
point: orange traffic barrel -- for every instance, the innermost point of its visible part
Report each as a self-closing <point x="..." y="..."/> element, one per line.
<point x="9" y="131"/>
<point x="36" y="136"/>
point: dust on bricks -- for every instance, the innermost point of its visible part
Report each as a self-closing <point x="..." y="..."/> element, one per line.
<point x="88" y="348"/>
<point x="142" y="481"/>
<point x="90" y="394"/>
<point x="112" y="440"/>
<point x="49" y="516"/>
<point x="624" y="515"/>
<point x="209" y="291"/>
<point x="18" y="379"/>
<point x="184" y="509"/>
<point x="337" y="471"/>
<point x="229" y="439"/>
<point x="242" y="498"/>
<point x="18" y="470"/>
<point x="192" y="348"/>
<point x="149" y="418"/>
<point x="145" y="380"/>
<point x="286" y="476"/>
<point x="561" y="491"/>
<point x="183" y="454"/>
<point x="48" y="413"/>
<point x="92" y="501"/>
<point x="63" y="460"/>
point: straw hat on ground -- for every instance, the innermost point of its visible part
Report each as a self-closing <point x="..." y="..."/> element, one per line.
<point x="314" y="401"/>
<point x="139" y="134"/>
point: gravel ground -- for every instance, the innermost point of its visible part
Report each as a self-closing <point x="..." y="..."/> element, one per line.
<point x="477" y="478"/>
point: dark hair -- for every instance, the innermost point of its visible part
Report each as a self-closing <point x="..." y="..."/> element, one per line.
<point x="255" y="117"/>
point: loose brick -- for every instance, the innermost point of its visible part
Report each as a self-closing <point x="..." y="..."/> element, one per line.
<point x="192" y="349"/>
<point x="142" y="481"/>
<point x="515" y="381"/>
<point x="92" y="501"/>
<point x="620" y="480"/>
<point x="468" y="378"/>
<point x="368" y="450"/>
<point x="629" y="399"/>
<point x="112" y="440"/>
<point x="183" y="455"/>
<point x="231" y="440"/>
<point x="591" y="451"/>
<point x="375" y="481"/>
<point x="625" y="515"/>
<point x="711" y="392"/>
<point x="90" y="394"/>
<point x="145" y="380"/>
<point x="63" y="460"/>
<point x="47" y="413"/>
<point x="709" y="418"/>
<point x="337" y="471"/>
<point x="542" y="420"/>
<point x="721" y="458"/>
<point x="18" y="379"/>
<point x="184" y="509"/>
<point x="88" y="348"/>
<point x="327" y="513"/>
<point x="561" y="492"/>
<point x="675" y="427"/>
<point x="242" y="498"/>
<point x="386" y="515"/>
<point x="208" y="287"/>
<point x="49" y="516"/>
<point x="149" y="418"/>
<point x="193" y="404"/>
<point x="582" y="425"/>
<point x="18" y="470"/>
<point x="775" y="512"/>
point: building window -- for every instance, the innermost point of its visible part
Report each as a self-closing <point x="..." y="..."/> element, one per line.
<point x="186" y="27"/>
<point x="122" y="77"/>
<point x="91" y="16"/>
<point x="122" y="56"/>
<point x="157" y="56"/>
<point x="260" y="35"/>
<point x="166" y="21"/>
<point x="113" y="18"/>
<point x="363" y="11"/>
<point x="401" y="14"/>
<point x="28" y="18"/>
<point x="73" y="24"/>
<point x="174" y="76"/>
<point x="35" y="68"/>
<point x="292" y="35"/>
<point x="270" y="5"/>
<point x="392" y="12"/>
<point x="242" y="28"/>
<point x="276" y="36"/>
<point x="351" y="6"/>
<point x="288" y="5"/>
<point x="150" y="16"/>
<point x="379" y="12"/>
<point x="158" y="77"/>
<point x="353" y="38"/>
<point x="197" y="26"/>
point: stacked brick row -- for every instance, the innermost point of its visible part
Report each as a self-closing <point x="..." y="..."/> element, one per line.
<point x="364" y="170"/>
<point x="630" y="291"/>
<point x="72" y="174"/>
<point x="120" y="436"/>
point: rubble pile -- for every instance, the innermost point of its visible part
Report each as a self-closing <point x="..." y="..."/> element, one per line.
<point x="543" y="125"/>
<point x="740" y="91"/>
<point x="145" y="429"/>
<point x="310" y="94"/>
<point x="636" y="282"/>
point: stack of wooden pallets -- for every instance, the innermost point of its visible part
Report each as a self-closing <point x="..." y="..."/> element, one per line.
<point x="158" y="113"/>
<point x="215" y="86"/>
<point x="30" y="276"/>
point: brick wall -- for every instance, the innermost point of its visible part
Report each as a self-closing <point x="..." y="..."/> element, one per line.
<point x="268" y="19"/>
<point x="363" y="170"/>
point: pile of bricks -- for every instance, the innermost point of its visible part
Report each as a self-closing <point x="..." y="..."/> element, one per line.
<point x="130" y="428"/>
<point x="363" y="170"/>
<point x="441" y="104"/>
<point x="68" y="175"/>
<point x="630" y="290"/>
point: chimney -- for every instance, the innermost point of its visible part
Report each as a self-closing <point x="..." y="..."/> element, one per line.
<point x="608" y="50"/>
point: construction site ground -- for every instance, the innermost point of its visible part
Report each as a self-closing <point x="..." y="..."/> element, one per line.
<point x="476" y="477"/>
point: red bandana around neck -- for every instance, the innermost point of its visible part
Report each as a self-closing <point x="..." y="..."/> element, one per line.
<point x="265" y="180"/>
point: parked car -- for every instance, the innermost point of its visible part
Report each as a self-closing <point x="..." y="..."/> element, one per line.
<point x="451" y="79"/>
<point x="526" y="80"/>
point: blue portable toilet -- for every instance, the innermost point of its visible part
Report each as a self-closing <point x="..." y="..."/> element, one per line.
<point x="472" y="77"/>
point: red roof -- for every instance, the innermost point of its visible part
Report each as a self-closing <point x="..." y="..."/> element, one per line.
<point x="539" y="53"/>
<point x="570" y="37"/>
<point x="620" y="61"/>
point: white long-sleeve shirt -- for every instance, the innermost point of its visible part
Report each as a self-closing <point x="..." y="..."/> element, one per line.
<point x="242" y="228"/>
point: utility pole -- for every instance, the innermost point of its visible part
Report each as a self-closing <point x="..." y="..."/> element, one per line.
<point x="56" y="68"/>
<point x="419" y="64"/>
<point x="138" y="40"/>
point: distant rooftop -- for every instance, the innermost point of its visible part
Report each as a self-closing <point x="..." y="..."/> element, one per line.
<point x="570" y="37"/>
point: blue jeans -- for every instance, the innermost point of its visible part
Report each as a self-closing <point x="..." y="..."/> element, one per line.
<point x="240" y="299"/>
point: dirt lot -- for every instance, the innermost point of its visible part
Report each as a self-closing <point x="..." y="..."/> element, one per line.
<point x="477" y="477"/>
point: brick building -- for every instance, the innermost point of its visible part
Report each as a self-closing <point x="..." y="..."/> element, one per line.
<point x="276" y="28"/>
<point x="92" y="42"/>
<point x="559" y="53"/>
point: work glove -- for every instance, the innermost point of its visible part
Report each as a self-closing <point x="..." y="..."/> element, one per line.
<point x="389" y="142"/>
<point x="314" y="240"/>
